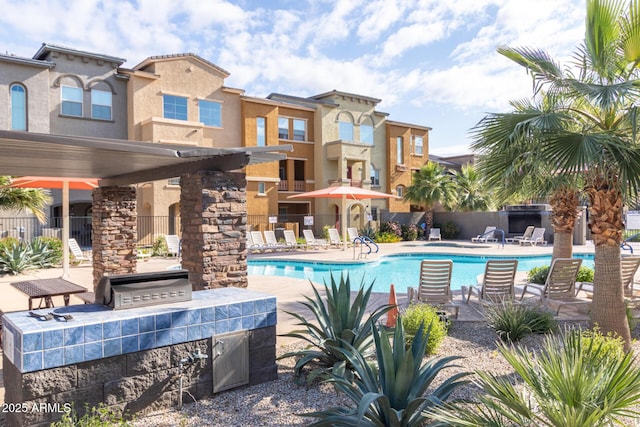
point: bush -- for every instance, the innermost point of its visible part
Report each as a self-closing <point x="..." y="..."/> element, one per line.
<point x="418" y="314"/>
<point x="409" y="232"/>
<point x="100" y="416"/>
<point x="387" y="238"/>
<point x="391" y="227"/>
<point x="604" y="346"/>
<point x="54" y="245"/>
<point x="8" y="242"/>
<point x="539" y="274"/>
<point x="450" y="230"/>
<point x="513" y="321"/>
<point x="159" y="246"/>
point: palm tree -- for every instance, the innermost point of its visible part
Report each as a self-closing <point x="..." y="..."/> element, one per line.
<point x="592" y="131"/>
<point x="431" y="185"/>
<point x="472" y="194"/>
<point x="33" y="200"/>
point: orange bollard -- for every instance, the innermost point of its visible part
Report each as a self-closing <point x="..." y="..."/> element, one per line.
<point x="392" y="314"/>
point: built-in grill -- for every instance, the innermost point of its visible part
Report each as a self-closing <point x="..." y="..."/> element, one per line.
<point x="143" y="289"/>
<point x="522" y="216"/>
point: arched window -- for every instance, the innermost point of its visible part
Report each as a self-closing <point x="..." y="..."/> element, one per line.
<point x="375" y="175"/>
<point x="345" y="126"/>
<point x="18" y="107"/>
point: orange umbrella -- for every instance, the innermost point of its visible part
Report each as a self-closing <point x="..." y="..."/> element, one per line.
<point x="65" y="184"/>
<point x="343" y="192"/>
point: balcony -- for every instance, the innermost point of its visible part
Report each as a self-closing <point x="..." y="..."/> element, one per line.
<point x="401" y="168"/>
<point x="352" y="182"/>
<point x="298" y="186"/>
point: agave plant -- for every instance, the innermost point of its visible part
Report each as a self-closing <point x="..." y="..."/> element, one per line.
<point x="16" y="258"/>
<point x="338" y="323"/>
<point x="571" y="382"/>
<point x="41" y="255"/>
<point x="394" y="394"/>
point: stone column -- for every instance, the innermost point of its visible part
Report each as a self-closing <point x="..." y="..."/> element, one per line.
<point x="114" y="227"/>
<point x="213" y="207"/>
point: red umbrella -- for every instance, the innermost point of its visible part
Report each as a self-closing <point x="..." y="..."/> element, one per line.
<point x="65" y="184"/>
<point x="343" y="192"/>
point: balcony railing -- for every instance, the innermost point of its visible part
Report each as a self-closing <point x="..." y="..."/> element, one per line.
<point x="283" y="185"/>
<point x="297" y="186"/>
<point x="352" y="182"/>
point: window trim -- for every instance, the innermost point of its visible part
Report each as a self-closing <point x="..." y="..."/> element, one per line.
<point x="280" y="118"/>
<point x="399" y="150"/>
<point x="63" y="100"/>
<point x="304" y="128"/>
<point x="264" y="131"/>
<point x="415" y="146"/>
<point x="93" y="116"/>
<point x="205" y="102"/>
<point x="264" y="188"/>
<point x="164" y="103"/>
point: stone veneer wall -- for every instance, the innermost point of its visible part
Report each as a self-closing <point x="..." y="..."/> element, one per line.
<point x="137" y="383"/>
<point x="114" y="227"/>
<point x="213" y="206"/>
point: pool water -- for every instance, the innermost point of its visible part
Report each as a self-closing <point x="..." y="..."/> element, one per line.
<point x="401" y="270"/>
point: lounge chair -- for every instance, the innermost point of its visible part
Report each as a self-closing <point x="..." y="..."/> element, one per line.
<point x="334" y="238"/>
<point x="435" y="285"/>
<point x="487" y="236"/>
<point x="290" y="240"/>
<point x="173" y="244"/>
<point x="312" y="242"/>
<point x="251" y="246"/>
<point x="271" y="241"/>
<point x="528" y="232"/>
<point x="536" y="237"/>
<point x="76" y="251"/>
<point x="434" y="234"/>
<point x="628" y="267"/>
<point x="560" y="287"/>
<point x="352" y="232"/>
<point x="497" y="284"/>
<point x="258" y="241"/>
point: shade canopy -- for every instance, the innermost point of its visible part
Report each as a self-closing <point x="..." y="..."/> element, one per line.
<point x="53" y="182"/>
<point x="344" y="193"/>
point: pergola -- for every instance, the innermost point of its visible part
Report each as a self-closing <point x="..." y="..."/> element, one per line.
<point x="213" y="195"/>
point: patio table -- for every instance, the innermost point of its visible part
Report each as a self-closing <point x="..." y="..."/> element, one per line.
<point x="48" y="288"/>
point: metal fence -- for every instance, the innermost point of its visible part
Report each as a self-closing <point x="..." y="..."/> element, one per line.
<point x="27" y="228"/>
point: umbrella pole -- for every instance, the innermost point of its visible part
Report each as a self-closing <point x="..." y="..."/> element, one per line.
<point x="344" y="222"/>
<point x="65" y="229"/>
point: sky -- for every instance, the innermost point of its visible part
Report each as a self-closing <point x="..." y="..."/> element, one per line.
<point x="430" y="62"/>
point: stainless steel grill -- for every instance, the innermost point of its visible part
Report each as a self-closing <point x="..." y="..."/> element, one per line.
<point x="144" y="289"/>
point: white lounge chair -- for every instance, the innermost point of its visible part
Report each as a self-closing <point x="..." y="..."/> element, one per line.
<point x="628" y="267"/>
<point x="272" y="242"/>
<point x="258" y="241"/>
<point x="435" y="285"/>
<point x="312" y="242"/>
<point x="537" y="237"/>
<point x="434" y="234"/>
<point x="497" y="284"/>
<point x="290" y="240"/>
<point x="528" y="232"/>
<point x="334" y="238"/>
<point x="173" y="244"/>
<point x="486" y="236"/>
<point x="76" y="251"/>
<point x="251" y="246"/>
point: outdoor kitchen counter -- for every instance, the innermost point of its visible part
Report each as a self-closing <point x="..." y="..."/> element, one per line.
<point x="97" y="331"/>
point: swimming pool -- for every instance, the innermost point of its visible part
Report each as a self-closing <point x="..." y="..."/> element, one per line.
<point x="401" y="270"/>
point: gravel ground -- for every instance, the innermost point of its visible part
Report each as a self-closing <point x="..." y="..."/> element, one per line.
<point x="277" y="403"/>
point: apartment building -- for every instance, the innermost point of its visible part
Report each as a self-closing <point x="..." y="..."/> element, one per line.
<point x="338" y="138"/>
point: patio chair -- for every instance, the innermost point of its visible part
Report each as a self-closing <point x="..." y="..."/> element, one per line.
<point x="290" y="240"/>
<point x="528" y="232"/>
<point x="259" y="243"/>
<point x="251" y="246"/>
<point x="628" y="267"/>
<point x="536" y="237"/>
<point x="435" y="285"/>
<point x="497" y="284"/>
<point x="77" y="253"/>
<point x="434" y="234"/>
<point x="560" y="287"/>
<point x="352" y="232"/>
<point x="173" y="244"/>
<point x="334" y="238"/>
<point x="487" y="236"/>
<point x="312" y="242"/>
<point x="272" y="242"/>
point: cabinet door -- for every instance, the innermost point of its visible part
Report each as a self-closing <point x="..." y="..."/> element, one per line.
<point x="230" y="360"/>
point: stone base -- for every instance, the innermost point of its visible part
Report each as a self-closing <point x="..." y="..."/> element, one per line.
<point x="135" y="383"/>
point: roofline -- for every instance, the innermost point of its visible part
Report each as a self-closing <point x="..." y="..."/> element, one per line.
<point x="411" y="125"/>
<point x="298" y="99"/>
<point x="275" y="103"/>
<point x="355" y="95"/>
<point x="27" y="61"/>
<point x="46" y="47"/>
<point x="174" y="56"/>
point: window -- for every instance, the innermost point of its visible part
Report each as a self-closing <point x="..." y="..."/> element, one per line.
<point x="366" y="134"/>
<point x="374" y="213"/>
<point x="71" y="101"/>
<point x="100" y="104"/>
<point x="400" y="191"/>
<point x="261" y="189"/>
<point x="299" y="130"/>
<point x="345" y="130"/>
<point x="175" y="107"/>
<point x="261" y="137"/>
<point x="283" y="128"/>
<point x="375" y="176"/>
<point x="399" y="156"/>
<point x="18" y="107"/>
<point x="210" y="113"/>
<point x="417" y="145"/>
<point x="174" y="181"/>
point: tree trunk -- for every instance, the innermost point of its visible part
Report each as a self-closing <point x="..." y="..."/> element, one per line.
<point x="562" y="245"/>
<point x="428" y="218"/>
<point x="608" y="307"/>
<point x="564" y="211"/>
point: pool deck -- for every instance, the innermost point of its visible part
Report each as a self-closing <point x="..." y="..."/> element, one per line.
<point x="290" y="291"/>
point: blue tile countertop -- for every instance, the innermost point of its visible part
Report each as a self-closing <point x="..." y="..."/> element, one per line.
<point x="97" y="331"/>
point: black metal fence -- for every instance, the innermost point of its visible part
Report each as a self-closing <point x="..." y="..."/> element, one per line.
<point x="27" y="229"/>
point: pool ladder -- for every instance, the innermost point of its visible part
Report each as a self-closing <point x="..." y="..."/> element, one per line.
<point x="362" y="242"/>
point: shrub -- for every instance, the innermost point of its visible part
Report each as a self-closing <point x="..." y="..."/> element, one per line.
<point x="159" y="246"/>
<point x="513" y="321"/>
<point x="409" y="232"/>
<point x="391" y="227"/>
<point x="16" y="259"/>
<point x="338" y="323"/>
<point x="8" y="242"/>
<point x="399" y="392"/>
<point x="100" y="416"/>
<point x="539" y="274"/>
<point x="418" y="314"/>
<point x="450" y="230"/>
<point x="387" y="238"/>
<point x="605" y="346"/>
<point x="569" y="382"/>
